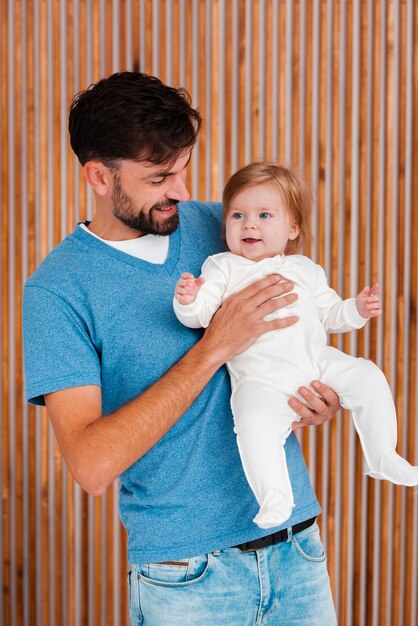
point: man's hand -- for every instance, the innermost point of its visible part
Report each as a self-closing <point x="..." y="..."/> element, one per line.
<point x="241" y="318"/>
<point x="317" y="410"/>
<point x="187" y="288"/>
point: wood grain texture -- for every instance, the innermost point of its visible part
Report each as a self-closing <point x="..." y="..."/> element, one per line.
<point x="330" y="86"/>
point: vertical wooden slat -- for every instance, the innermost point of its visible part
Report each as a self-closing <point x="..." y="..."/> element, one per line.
<point x="242" y="77"/>
<point x="374" y="488"/>
<point x="409" y="391"/>
<point x="384" y="251"/>
<point x="246" y="65"/>
<point x="345" y="581"/>
<point x="336" y="149"/>
<point x="413" y="447"/>
<point x="228" y="86"/>
<point x="398" y="304"/>
<point x="30" y="264"/>
<point x="261" y="73"/>
<point x="220" y="62"/>
<point x="5" y="196"/>
<point x="15" y="285"/>
<point x="363" y="248"/>
<point x="289" y="84"/>
<point x="275" y="60"/>
<point x="281" y="65"/>
<point x="212" y="96"/>
<point x="26" y="571"/>
<point x="71" y="597"/>
<point x="403" y="249"/>
<point x="267" y="83"/>
<point x="3" y="321"/>
<point x="106" y="552"/>
<point x="193" y="39"/>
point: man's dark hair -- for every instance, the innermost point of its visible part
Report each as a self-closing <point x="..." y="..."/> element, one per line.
<point x="130" y="115"/>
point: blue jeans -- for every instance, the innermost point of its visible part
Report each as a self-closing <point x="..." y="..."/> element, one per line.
<point x="277" y="586"/>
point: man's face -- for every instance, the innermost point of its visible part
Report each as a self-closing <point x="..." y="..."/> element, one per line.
<point x="145" y="196"/>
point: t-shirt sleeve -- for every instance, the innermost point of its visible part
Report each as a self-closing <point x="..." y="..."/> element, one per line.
<point x="58" y="351"/>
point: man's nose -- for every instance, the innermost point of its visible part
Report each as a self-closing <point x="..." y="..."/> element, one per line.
<point x="178" y="190"/>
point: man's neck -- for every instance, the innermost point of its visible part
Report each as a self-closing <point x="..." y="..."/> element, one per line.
<point x="112" y="230"/>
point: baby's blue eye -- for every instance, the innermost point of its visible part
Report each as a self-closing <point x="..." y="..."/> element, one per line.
<point x="237" y="216"/>
<point x="264" y="216"/>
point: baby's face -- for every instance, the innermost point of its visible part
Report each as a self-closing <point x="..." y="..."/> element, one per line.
<point x="258" y="224"/>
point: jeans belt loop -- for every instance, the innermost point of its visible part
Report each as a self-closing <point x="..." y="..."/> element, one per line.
<point x="289" y="534"/>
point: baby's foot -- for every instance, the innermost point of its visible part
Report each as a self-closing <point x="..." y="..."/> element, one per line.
<point x="396" y="469"/>
<point x="275" y="509"/>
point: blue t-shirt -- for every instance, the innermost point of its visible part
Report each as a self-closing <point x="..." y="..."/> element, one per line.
<point x="94" y="315"/>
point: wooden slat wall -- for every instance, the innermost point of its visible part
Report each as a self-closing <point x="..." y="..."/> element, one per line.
<point x="331" y="86"/>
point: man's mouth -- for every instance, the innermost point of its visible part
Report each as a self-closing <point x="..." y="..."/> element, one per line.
<point x="167" y="209"/>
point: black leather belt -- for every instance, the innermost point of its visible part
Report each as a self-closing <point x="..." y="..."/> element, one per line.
<point x="277" y="537"/>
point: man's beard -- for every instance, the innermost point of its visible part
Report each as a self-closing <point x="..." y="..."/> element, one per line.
<point x="144" y="222"/>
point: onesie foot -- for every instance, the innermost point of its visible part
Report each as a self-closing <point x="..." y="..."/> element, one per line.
<point x="275" y="509"/>
<point x="396" y="469"/>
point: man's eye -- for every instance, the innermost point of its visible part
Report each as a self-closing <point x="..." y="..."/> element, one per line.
<point x="264" y="216"/>
<point x="157" y="181"/>
<point x="237" y="216"/>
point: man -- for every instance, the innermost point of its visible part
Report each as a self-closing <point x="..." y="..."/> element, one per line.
<point x="133" y="393"/>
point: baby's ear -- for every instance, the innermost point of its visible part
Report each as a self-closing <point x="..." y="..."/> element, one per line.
<point x="295" y="230"/>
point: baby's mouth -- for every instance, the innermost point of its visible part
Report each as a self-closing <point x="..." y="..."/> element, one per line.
<point x="251" y="240"/>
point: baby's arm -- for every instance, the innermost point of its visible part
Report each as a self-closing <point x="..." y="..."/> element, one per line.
<point x="187" y="288"/>
<point x="197" y="300"/>
<point x="368" y="302"/>
<point x="337" y="315"/>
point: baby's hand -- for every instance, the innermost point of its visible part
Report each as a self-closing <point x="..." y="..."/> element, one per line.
<point x="187" y="288"/>
<point x="368" y="302"/>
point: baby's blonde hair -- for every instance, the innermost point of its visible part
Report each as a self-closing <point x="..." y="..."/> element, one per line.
<point x="294" y="190"/>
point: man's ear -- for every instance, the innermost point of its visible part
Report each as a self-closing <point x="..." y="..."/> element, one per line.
<point x="99" y="177"/>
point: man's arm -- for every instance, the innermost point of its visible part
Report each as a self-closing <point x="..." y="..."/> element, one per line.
<point x="98" y="449"/>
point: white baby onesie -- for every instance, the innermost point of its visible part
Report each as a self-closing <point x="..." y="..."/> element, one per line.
<point x="270" y="371"/>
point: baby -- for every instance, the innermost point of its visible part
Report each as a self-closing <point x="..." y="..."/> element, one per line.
<point x="265" y="216"/>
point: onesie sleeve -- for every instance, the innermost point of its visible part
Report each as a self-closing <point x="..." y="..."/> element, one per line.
<point x="337" y="315"/>
<point x="208" y="300"/>
<point x="58" y="351"/>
